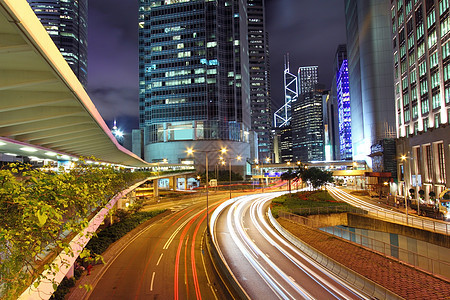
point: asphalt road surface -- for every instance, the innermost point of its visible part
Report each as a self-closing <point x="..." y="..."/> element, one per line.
<point x="266" y="265"/>
<point x="167" y="260"/>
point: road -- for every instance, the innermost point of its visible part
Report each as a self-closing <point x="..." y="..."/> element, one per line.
<point x="266" y="265"/>
<point x="167" y="260"/>
<point x="376" y="210"/>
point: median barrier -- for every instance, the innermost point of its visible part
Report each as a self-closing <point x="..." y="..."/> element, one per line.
<point x="224" y="270"/>
<point x="349" y="276"/>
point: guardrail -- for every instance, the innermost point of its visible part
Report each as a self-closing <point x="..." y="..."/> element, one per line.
<point x="418" y="261"/>
<point x="357" y="280"/>
<point x="327" y="210"/>
<point x="398" y="217"/>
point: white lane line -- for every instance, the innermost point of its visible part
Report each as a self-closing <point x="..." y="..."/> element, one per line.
<point x="159" y="259"/>
<point x="167" y="244"/>
<point x="153" y="278"/>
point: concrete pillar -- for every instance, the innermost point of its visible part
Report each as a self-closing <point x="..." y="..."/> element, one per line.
<point x="185" y="182"/>
<point x="155" y="188"/>
<point x="172" y="182"/>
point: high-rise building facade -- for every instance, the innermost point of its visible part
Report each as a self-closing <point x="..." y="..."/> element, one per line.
<point x="421" y="51"/>
<point x="282" y="117"/>
<point x="193" y="78"/>
<point x="66" y="23"/>
<point x="371" y="79"/>
<point x="345" y="120"/>
<point x="308" y="77"/>
<point x="258" y="47"/>
<point x="307" y="126"/>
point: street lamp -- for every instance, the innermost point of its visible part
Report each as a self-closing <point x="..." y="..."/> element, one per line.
<point x="237" y="158"/>
<point x="191" y="151"/>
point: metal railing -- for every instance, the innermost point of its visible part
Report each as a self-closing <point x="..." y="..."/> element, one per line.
<point x="398" y="216"/>
<point x="432" y="265"/>
<point x="304" y="211"/>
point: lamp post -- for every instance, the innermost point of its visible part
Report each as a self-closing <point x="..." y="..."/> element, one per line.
<point x="191" y="151"/>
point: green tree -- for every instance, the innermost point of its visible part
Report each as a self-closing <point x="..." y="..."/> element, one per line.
<point x="316" y="177"/>
<point x="289" y="175"/>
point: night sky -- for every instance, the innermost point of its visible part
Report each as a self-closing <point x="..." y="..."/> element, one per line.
<point x="309" y="31"/>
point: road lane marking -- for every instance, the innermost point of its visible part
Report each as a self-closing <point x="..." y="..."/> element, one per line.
<point x="159" y="259"/>
<point x="153" y="278"/>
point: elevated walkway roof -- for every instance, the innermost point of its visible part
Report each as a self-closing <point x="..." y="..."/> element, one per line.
<point x="42" y="103"/>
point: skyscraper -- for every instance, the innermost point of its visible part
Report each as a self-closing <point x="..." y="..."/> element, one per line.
<point x="371" y="79"/>
<point x="193" y="78"/>
<point x="260" y="98"/>
<point x="66" y="23"/>
<point x="307" y="79"/>
<point x="307" y="125"/>
<point x="421" y="51"/>
<point x="343" y="100"/>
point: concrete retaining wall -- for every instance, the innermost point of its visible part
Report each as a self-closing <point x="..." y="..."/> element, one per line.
<point x="351" y="277"/>
<point x="365" y="222"/>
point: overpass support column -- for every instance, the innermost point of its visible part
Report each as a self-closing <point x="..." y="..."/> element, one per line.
<point x="185" y="182"/>
<point x="155" y="187"/>
<point x="172" y="183"/>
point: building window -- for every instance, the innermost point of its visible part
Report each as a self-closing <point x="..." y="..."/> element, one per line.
<point x="413" y="94"/>
<point x="405" y="99"/>
<point x="423" y="87"/>
<point x="447" y="95"/>
<point x="423" y="68"/>
<point x="429" y="163"/>
<point x="436" y="103"/>
<point x="425" y="106"/>
<point x="420" y="31"/>
<point x="420" y="50"/>
<point x="412" y="76"/>
<point x="445" y="50"/>
<point x="425" y="125"/>
<point x="405" y="83"/>
<point x="433" y="60"/>
<point x="441" y="163"/>
<point x="431" y="18"/>
<point x="415" y="112"/>
<point x="443" y="6"/>
<point x="418" y="160"/>
<point x="437" y="120"/>
<point x="407" y="115"/>
<point x="432" y="39"/>
<point x="435" y="80"/>
<point x="445" y="26"/>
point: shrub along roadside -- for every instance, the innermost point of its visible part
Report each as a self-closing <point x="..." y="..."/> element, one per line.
<point x="99" y="243"/>
<point x="299" y="200"/>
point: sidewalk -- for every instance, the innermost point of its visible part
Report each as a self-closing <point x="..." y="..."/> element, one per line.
<point x="78" y="292"/>
<point x="397" y="277"/>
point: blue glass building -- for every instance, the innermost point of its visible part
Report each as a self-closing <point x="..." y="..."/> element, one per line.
<point x="345" y="120"/>
<point x="193" y="77"/>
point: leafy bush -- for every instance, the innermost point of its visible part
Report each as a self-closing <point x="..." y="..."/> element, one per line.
<point x="37" y="207"/>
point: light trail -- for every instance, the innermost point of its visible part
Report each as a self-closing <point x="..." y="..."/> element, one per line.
<point x="279" y="276"/>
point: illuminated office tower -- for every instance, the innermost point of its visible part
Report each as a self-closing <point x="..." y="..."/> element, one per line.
<point x="259" y="70"/>
<point x="193" y="79"/>
<point x="308" y="77"/>
<point x="66" y="23"/>
<point x="421" y="51"/>
<point x="307" y="126"/>
<point x="345" y="120"/>
<point x="371" y="79"/>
